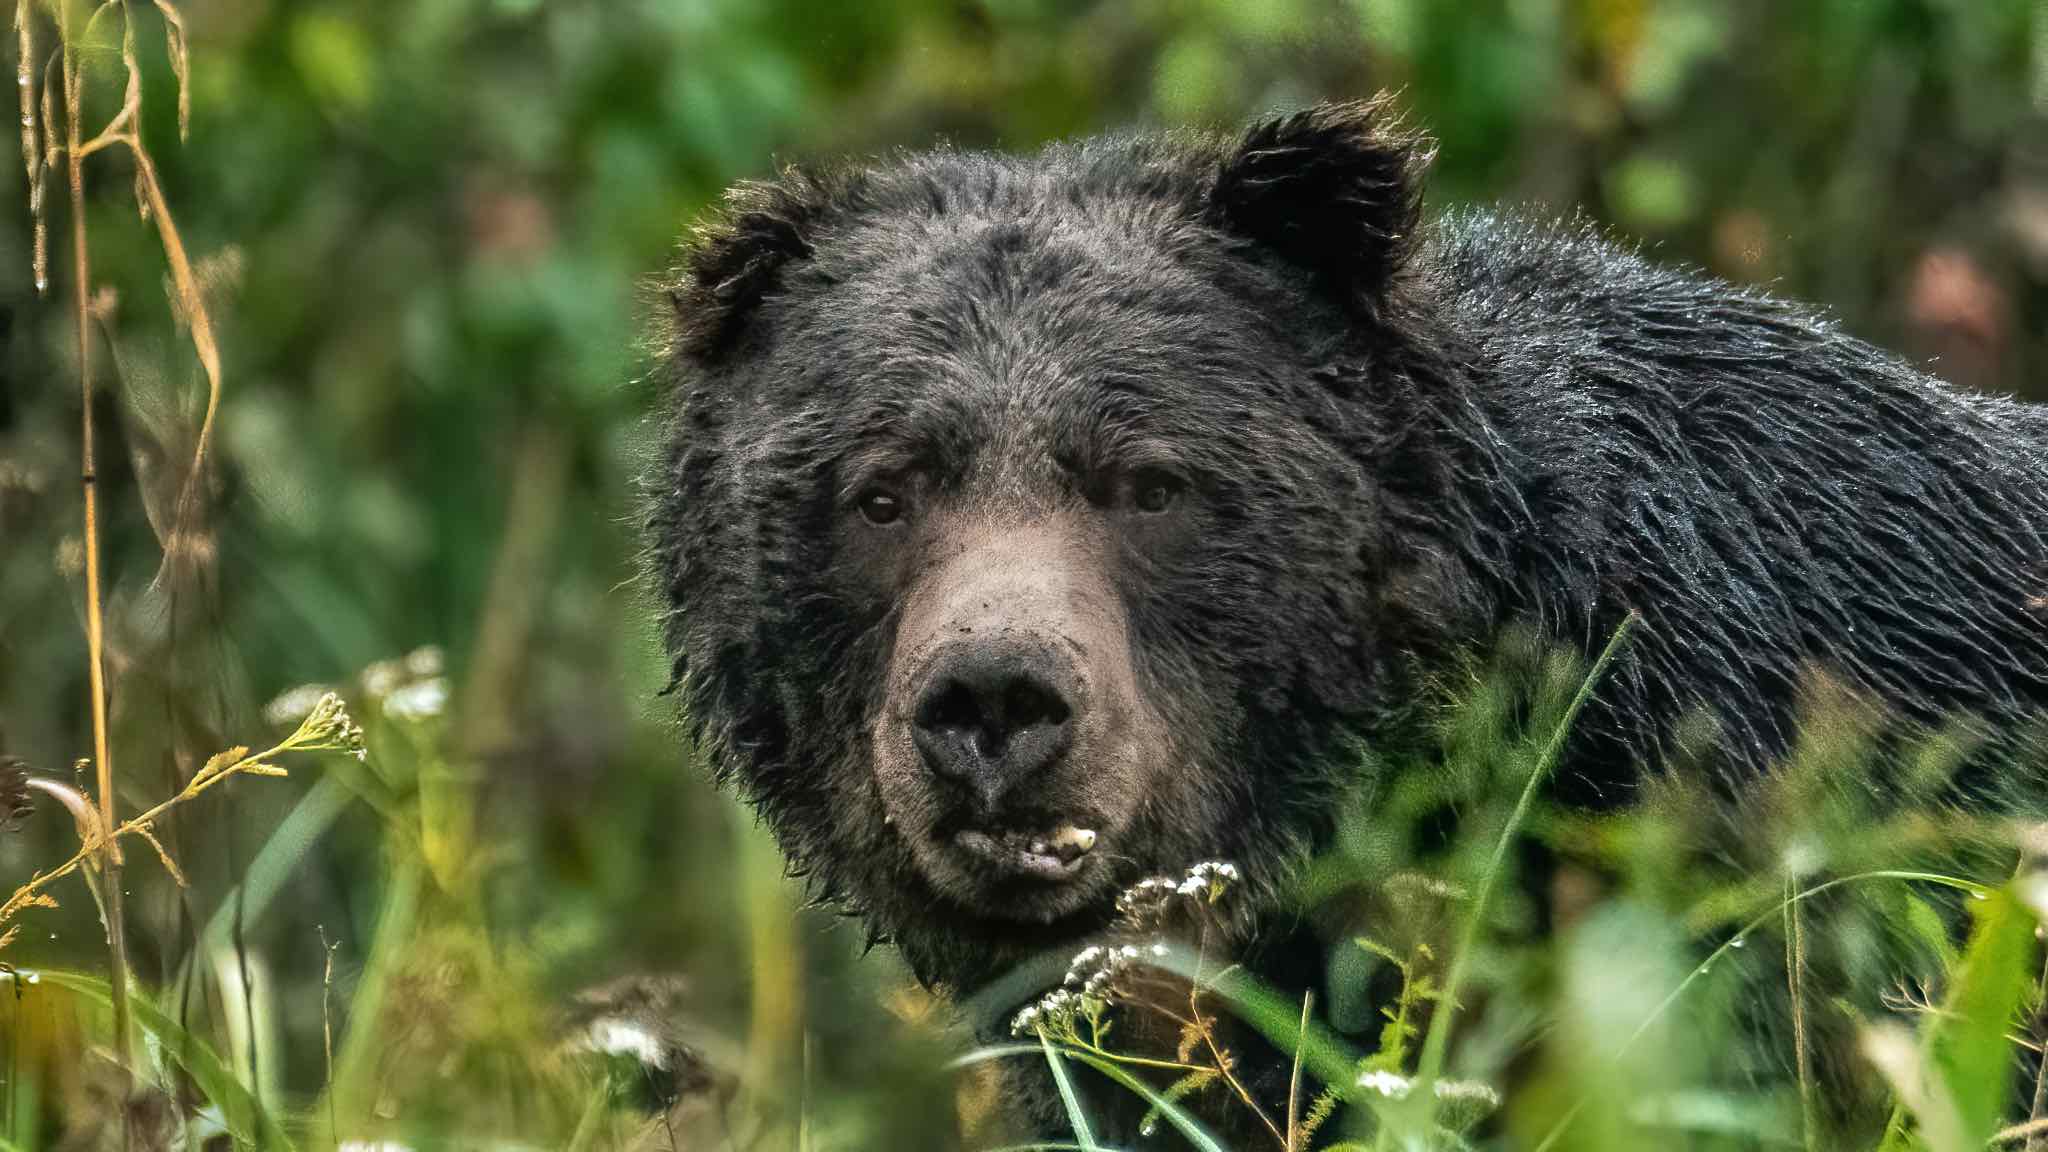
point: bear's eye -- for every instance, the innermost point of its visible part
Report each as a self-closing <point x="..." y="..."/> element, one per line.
<point x="1155" y="492"/>
<point x="879" y="507"/>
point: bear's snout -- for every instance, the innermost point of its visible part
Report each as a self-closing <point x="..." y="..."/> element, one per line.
<point x="994" y="713"/>
<point x="1011" y="737"/>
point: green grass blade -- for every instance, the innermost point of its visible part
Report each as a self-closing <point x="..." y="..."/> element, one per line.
<point x="274" y="864"/>
<point x="1431" y="1064"/>
<point x="591" y="1124"/>
<point x="1076" y="1117"/>
<point x="244" y="1115"/>
<point x="1970" y="1045"/>
<point x="1169" y="1111"/>
<point x="1557" y="1130"/>
<point x="355" y="1063"/>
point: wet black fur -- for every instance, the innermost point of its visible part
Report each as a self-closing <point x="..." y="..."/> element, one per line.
<point x="1406" y="435"/>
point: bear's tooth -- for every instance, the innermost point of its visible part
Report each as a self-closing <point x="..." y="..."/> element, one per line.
<point x="1069" y="839"/>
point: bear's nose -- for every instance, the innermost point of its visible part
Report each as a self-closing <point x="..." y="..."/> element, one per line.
<point x="993" y="714"/>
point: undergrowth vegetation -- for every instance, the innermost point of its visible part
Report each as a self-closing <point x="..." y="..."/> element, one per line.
<point x="1805" y="968"/>
<point x="1819" y="964"/>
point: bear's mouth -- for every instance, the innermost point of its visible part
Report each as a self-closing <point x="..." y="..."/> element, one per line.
<point x="1054" y="856"/>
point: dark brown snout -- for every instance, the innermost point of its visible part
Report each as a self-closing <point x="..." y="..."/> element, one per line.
<point x="995" y="712"/>
<point x="1012" y="745"/>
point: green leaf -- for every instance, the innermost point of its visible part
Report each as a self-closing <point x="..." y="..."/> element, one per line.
<point x="1969" y="1046"/>
<point x="245" y="1117"/>
<point x="279" y="857"/>
<point x="1173" y="1113"/>
<point x="1077" y="1118"/>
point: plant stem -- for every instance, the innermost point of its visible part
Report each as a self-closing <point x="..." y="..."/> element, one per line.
<point x="1564" y="1122"/>
<point x="139" y="826"/>
<point x="95" y="643"/>
<point x="2037" y="1111"/>
<point x="1208" y="1036"/>
<point x="1431" y="1064"/>
<point x="1294" y="1138"/>
<point x="1795" y="979"/>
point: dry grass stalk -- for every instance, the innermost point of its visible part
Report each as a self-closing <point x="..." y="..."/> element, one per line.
<point x="327" y="728"/>
<point x="39" y="152"/>
<point x="103" y="761"/>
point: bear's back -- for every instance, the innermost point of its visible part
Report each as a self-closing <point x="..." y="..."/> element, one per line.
<point x="1775" y="496"/>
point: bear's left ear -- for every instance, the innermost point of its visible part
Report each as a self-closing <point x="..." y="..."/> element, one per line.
<point x="1336" y="189"/>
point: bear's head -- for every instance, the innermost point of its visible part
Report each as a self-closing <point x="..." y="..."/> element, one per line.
<point x="1031" y="525"/>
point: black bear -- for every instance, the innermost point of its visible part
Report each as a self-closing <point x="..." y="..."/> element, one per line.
<point x="1031" y="524"/>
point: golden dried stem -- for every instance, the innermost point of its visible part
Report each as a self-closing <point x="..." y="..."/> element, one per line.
<point x="181" y="63"/>
<point x="1207" y="1032"/>
<point x="31" y="140"/>
<point x="95" y="643"/>
<point x="94" y="839"/>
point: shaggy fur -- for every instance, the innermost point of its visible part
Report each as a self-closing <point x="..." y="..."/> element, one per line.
<point x="1398" y="439"/>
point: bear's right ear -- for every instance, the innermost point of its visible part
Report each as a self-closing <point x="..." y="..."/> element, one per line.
<point x="735" y="258"/>
<point x="1336" y="189"/>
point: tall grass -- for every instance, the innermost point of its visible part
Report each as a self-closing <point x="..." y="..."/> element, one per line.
<point x="1657" y="1014"/>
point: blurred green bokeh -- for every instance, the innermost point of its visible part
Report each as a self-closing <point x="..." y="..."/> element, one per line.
<point x="425" y="229"/>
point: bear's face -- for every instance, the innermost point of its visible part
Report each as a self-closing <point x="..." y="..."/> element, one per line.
<point x="1017" y="542"/>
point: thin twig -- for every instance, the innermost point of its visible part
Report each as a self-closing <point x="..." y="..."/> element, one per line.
<point x="327" y="1030"/>
<point x="1294" y="1136"/>
<point x="1208" y="1036"/>
<point x="327" y="729"/>
<point x="1795" y="981"/>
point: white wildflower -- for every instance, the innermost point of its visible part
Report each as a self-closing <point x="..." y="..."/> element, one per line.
<point x="1389" y="1084"/>
<point x="1395" y="1086"/>
<point x="425" y="661"/>
<point x="615" y="1037"/>
<point x="1467" y="1091"/>
<point x="294" y="704"/>
<point x="419" y="701"/>
<point x="383" y="678"/>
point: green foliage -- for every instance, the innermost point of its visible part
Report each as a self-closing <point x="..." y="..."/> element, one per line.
<point x="419" y="230"/>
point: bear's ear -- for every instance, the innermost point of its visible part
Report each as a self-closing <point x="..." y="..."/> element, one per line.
<point x="1336" y="189"/>
<point x="736" y="257"/>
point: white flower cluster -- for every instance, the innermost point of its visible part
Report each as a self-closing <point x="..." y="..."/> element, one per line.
<point x="295" y="704"/>
<point x="1395" y="1086"/>
<point x="1205" y="882"/>
<point x="329" y="727"/>
<point x="420" y="700"/>
<point x="1053" y="1015"/>
<point x="384" y="677"/>
<point x="1095" y="969"/>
